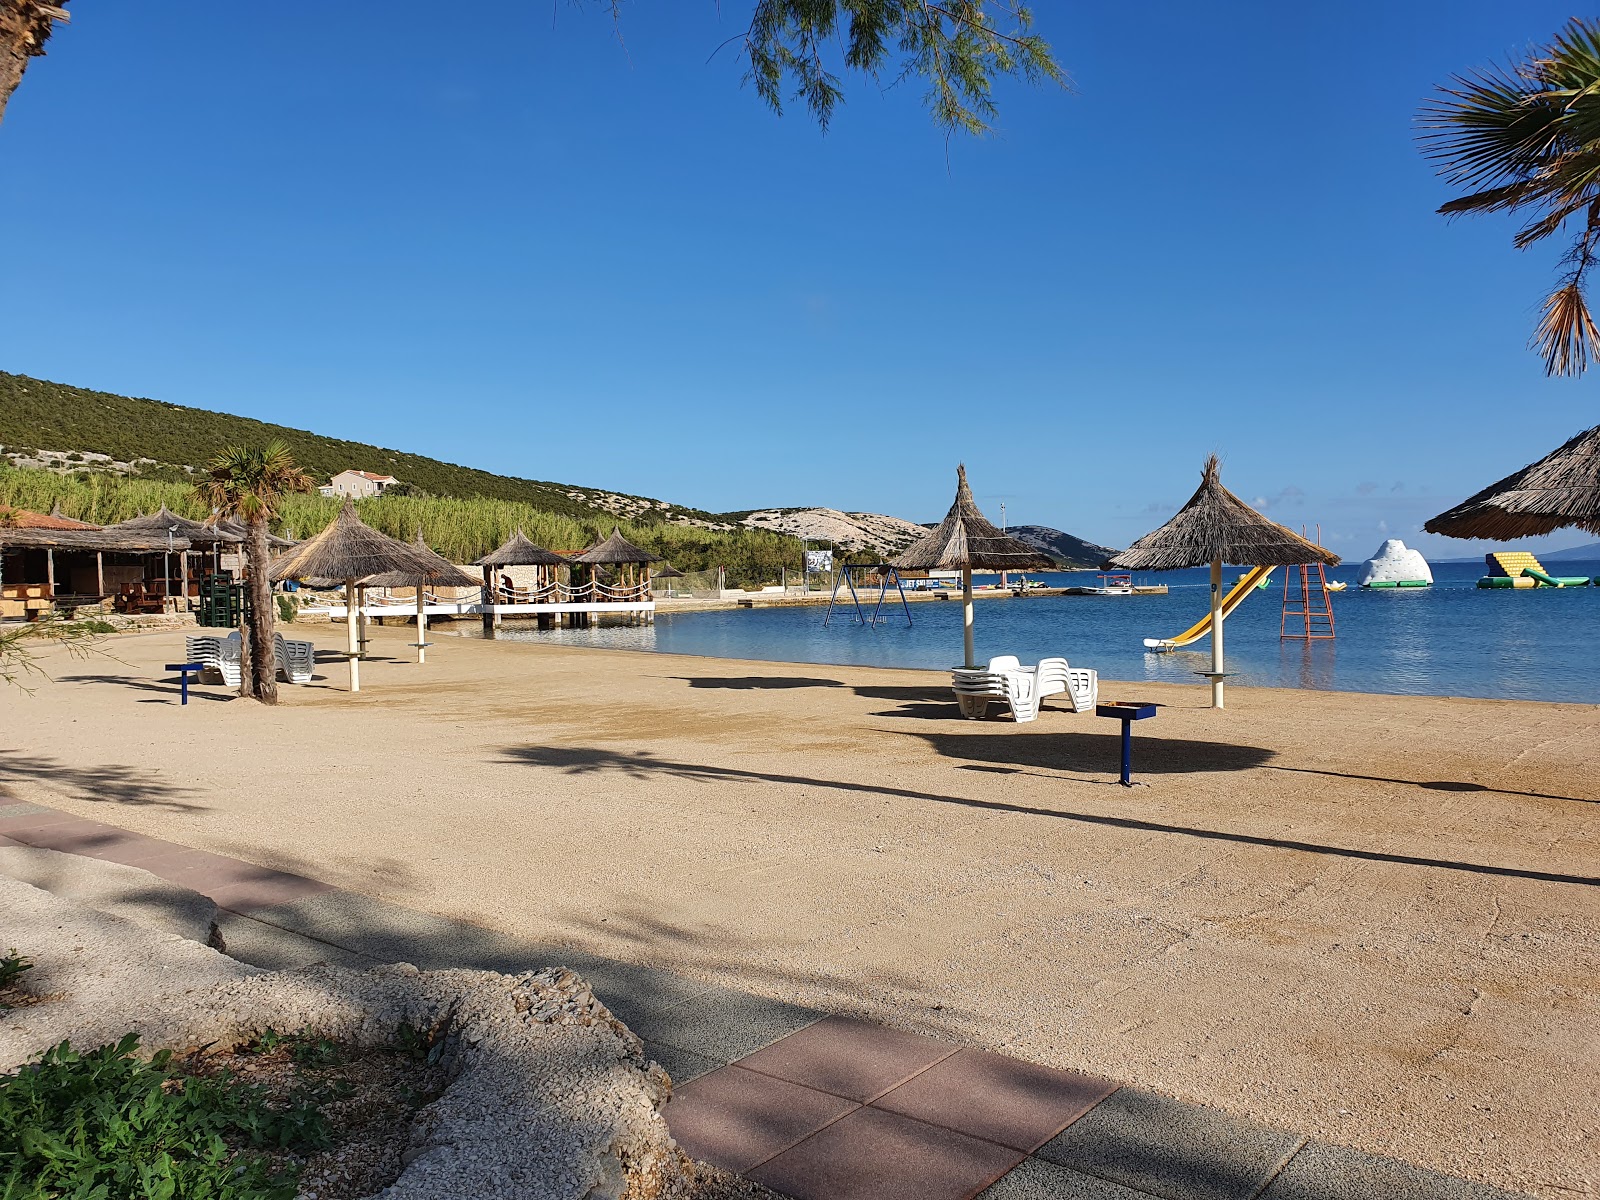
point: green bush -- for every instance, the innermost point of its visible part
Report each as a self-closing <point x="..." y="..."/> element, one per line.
<point x="104" y="1124"/>
<point x="286" y="609"/>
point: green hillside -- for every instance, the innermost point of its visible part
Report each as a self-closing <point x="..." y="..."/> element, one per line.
<point x="36" y="414"/>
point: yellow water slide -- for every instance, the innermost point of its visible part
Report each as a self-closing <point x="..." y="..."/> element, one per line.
<point x="1253" y="579"/>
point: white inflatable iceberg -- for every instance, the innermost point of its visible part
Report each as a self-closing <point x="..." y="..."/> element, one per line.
<point x="1395" y="565"/>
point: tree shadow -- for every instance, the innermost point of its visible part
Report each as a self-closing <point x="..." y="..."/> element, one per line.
<point x="168" y="689"/>
<point x="745" y="683"/>
<point x="1067" y="751"/>
<point x="108" y="784"/>
<point x="1439" y="785"/>
<point x="644" y="766"/>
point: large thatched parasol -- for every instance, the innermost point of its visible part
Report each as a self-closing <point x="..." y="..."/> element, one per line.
<point x="444" y="574"/>
<point x="1213" y="528"/>
<point x="351" y="550"/>
<point x="518" y="551"/>
<point x="965" y="541"/>
<point x="1562" y="488"/>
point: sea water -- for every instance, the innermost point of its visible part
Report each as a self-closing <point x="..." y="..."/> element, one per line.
<point x="1451" y="639"/>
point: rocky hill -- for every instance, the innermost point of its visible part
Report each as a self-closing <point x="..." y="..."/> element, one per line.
<point x="1069" y="551"/>
<point x="849" y="531"/>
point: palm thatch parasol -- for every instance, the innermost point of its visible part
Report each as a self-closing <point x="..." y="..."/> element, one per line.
<point x="444" y="573"/>
<point x="351" y="550"/>
<point x="1213" y="528"/>
<point x="615" y="550"/>
<point x="223" y="525"/>
<point x="1562" y="488"/>
<point x="965" y="541"/>
<point x="518" y="551"/>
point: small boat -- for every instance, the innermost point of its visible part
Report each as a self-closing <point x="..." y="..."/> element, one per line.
<point x="1336" y="585"/>
<point x="1110" y="585"/>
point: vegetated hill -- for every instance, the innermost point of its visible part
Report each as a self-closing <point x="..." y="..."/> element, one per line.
<point x="56" y="426"/>
<point x="1068" y="551"/>
<point x="849" y="531"/>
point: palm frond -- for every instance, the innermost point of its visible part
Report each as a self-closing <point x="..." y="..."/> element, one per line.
<point x="1567" y="337"/>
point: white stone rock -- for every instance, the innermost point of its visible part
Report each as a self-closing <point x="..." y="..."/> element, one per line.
<point x="1393" y="563"/>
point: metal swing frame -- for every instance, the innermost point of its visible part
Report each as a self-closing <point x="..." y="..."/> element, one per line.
<point x="887" y="574"/>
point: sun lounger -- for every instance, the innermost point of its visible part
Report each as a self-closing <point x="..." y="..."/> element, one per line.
<point x="1023" y="689"/>
<point x="217" y="655"/>
<point x="295" y="659"/>
<point x="1080" y="684"/>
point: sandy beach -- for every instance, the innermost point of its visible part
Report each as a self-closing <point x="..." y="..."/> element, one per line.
<point x="1371" y="918"/>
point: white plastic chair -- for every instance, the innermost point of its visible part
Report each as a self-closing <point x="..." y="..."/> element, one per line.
<point x="216" y="656"/>
<point x="1081" y="684"/>
<point x="1004" y="679"/>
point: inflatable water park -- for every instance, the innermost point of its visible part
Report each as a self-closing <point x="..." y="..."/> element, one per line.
<point x="1519" y="569"/>
<point x="1395" y="565"/>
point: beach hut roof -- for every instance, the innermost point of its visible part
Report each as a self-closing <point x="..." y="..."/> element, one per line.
<point x="234" y="527"/>
<point x="21" y="518"/>
<point x="349" y="548"/>
<point x="90" y="540"/>
<point x="518" y="551"/>
<point x="157" y="524"/>
<point x="1562" y="488"/>
<point x="1217" y="524"/>
<point x="445" y="573"/>
<point x="615" y="549"/>
<point x="667" y="571"/>
<point x="966" y="540"/>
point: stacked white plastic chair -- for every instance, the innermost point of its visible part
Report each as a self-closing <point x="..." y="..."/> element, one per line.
<point x="295" y="660"/>
<point x="217" y="656"/>
<point x="1023" y="689"/>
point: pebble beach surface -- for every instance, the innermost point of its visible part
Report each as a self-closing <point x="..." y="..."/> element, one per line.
<point x="1375" y="919"/>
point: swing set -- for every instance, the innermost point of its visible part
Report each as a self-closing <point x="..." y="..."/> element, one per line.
<point x="846" y="577"/>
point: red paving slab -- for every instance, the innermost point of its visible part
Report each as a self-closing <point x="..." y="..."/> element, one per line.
<point x="737" y="1119"/>
<point x="1018" y="1104"/>
<point x="849" y="1058"/>
<point x="875" y="1155"/>
<point x="15" y="825"/>
<point x="277" y="888"/>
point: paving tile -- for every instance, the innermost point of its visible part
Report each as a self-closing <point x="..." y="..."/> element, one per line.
<point x="5" y="841"/>
<point x="736" y="1118"/>
<point x="1324" y="1172"/>
<point x="180" y="862"/>
<point x="854" y="1059"/>
<point x="682" y="1065"/>
<point x="724" y="1024"/>
<point x="47" y="830"/>
<point x="1018" y="1104"/>
<point x="1036" y="1179"/>
<point x="1173" y="1150"/>
<point x="144" y="850"/>
<point x="16" y="810"/>
<point x="876" y="1155"/>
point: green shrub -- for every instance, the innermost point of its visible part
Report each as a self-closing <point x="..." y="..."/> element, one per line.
<point x="286" y="609"/>
<point x="12" y="966"/>
<point x="106" y="1124"/>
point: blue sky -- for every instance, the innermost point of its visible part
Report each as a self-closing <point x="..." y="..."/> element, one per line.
<point x="509" y="240"/>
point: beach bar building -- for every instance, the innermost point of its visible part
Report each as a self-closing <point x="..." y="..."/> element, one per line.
<point x="52" y="564"/>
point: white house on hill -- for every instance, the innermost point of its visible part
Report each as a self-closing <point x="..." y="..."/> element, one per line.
<point x="358" y="484"/>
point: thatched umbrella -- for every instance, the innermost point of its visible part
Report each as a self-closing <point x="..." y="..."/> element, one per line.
<point x="1213" y="528"/>
<point x="965" y="541"/>
<point x="667" y="572"/>
<point x="1562" y="488"/>
<point x="444" y="574"/>
<point x="223" y="525"/>
<point x="517" y="551"/>
<point x="351" y="550"/>
<point x="617" y="550"/>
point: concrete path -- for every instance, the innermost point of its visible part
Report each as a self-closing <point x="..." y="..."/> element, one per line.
<point x="814" y="1106"/>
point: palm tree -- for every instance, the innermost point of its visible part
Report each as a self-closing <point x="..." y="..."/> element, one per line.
<point x="248" y="485"/>
<point x="1526" y="139"/>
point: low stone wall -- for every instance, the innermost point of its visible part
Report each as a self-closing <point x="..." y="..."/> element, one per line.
<point x="550" y="1096"/>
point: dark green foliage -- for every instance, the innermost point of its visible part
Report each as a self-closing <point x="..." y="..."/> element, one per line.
<point x="286" y="609"/>
<point x="106" y="1124"/>
<point x="59" y="417"/>
<point x="12" y="966"/>
<point x="957" y="48"/>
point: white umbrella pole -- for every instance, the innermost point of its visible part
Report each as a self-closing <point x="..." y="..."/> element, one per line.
<point x="351" y="616"/>
<point x="966" y="615"/>
<point x="422" y="626"/>
<point x="1216" y="633"/>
